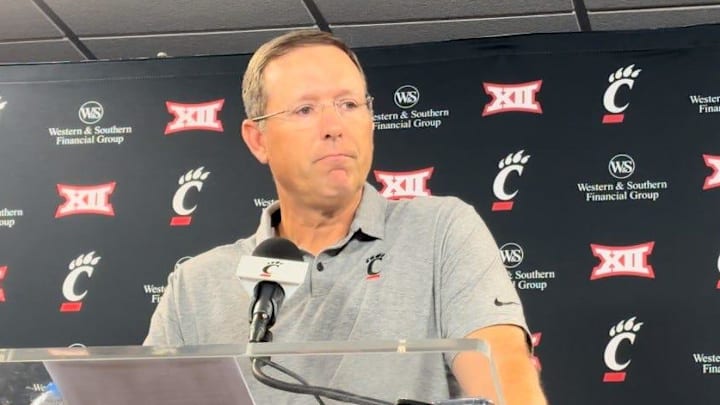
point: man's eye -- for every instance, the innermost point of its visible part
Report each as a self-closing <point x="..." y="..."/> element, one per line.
<point x="348" y="105"/>
<point x="304" y="110"/>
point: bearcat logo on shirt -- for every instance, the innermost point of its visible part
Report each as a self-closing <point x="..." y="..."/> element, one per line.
<point x="202" y="116"/>
<point x="85" y="199"/>
<point x="372" y="272"/>
<point x="401" y="185"/>
<point x="623" y="77"/>
<point x="519" y="97"/>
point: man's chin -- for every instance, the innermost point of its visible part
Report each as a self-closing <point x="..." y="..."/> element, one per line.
<point x="340" y="189"/>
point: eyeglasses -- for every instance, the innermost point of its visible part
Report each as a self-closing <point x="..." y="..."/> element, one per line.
<point x="348" y="108"/>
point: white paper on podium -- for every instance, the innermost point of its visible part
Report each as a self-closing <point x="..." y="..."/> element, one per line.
<point x="191" y="381"/>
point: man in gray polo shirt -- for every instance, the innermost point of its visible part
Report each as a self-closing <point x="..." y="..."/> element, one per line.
<point x="423" y="268"/>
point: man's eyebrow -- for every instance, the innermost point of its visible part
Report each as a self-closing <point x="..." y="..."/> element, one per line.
<point x="314" y="97"/>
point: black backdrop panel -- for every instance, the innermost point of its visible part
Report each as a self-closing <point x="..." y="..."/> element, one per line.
<point x="583" y="153"/>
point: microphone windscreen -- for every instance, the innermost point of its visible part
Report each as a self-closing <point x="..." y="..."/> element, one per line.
<point x="278" y="248"/>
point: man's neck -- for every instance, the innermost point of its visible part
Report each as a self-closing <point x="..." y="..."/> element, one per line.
<point x="314" y="229"/>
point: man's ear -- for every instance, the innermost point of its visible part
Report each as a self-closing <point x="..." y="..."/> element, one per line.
<point x="254" y="140"/>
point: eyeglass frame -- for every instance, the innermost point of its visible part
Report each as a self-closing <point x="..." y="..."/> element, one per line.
<point x="368" y="102"/>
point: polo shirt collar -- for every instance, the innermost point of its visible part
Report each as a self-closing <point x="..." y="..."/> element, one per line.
<point x="369" y="217"/>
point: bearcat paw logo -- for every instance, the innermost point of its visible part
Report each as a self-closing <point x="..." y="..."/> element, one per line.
<point x="628" y="72"/>
<point x="194" y="175"/>
<point x="514" y="159"/>
<point x="628" y="326"/>
<point x="378" y="256"/>
<point x="88" y="260"/>
<point x="372" y="273"/>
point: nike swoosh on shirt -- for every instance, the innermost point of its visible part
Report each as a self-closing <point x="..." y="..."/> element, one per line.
<point x="499" y="303"/>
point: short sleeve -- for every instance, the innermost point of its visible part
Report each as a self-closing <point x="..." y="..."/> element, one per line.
<point x="475" y="290"/>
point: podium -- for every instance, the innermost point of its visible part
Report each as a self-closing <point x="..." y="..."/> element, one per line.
<point x="388" y="372"/>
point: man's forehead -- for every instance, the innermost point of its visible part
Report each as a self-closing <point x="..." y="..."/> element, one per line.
<point x="313" y="67"/>
<point x="301" y="51"/>
<point x="308" y="59"/>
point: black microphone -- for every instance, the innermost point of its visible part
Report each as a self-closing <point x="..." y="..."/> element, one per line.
<point x="274" y="271"/>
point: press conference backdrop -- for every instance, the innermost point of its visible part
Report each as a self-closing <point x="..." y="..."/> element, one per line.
<point x="594" y="159"/>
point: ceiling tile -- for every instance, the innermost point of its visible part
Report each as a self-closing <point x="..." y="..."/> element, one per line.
<point x="39" y="51"/>
<point x="429" y="31"/>
<point x="21" y="19"/>
<point x="353" y="11"/>
<point x="628" y="4"/>
<point x="653" y="18"/>
<point x="216" y="43"/>
<point x="111" y="17"/>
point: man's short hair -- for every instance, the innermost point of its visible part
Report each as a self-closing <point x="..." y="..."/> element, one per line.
<point x="253" y="91"/>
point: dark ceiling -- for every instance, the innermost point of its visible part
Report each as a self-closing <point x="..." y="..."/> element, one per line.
<point x="71" y="30"/>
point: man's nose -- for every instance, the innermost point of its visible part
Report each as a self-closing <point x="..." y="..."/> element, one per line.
<point x="331" y="121"/>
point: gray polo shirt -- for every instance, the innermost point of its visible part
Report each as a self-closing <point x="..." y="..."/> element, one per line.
<point x="409" y="269"/>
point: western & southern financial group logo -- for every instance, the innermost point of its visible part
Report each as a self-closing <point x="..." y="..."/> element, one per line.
<point x="622" y="167"/>
<point x="511" y="254"/>
<point x="90" y="113"/>
<point x="405" y="98"/>
<point x="263" y="202"/>
<point x="709" y="363"/>
<point x="8" y="217"/>
<point x="523" y="278"/>
<point x="705" y="104"/>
